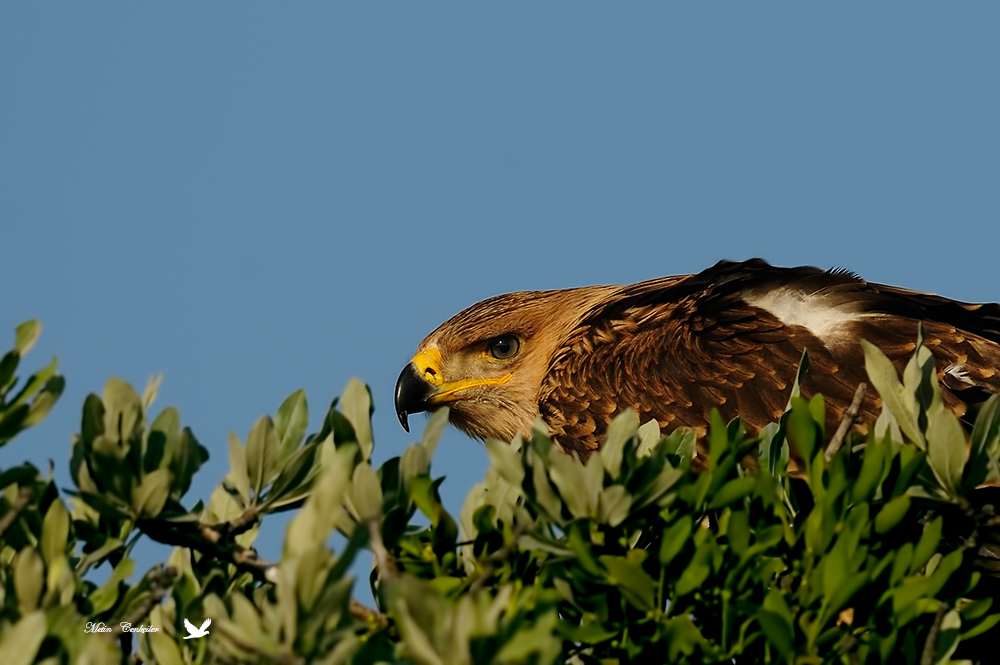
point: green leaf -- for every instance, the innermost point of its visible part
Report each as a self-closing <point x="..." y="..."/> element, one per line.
<point x="187" y="457"/>
<point x="8" y="365"/>
<point x="55" y="532"/>
<point x="805" y="362"/>
<point x="296" y="475"/>
<point x="238" y="474"/>
<point x="947" y="638"/>
<point x="803" y="431"/>
<point x="29" y="576"/>
<point x="122" y="411"/>
<point x="150" y="392"/>
<point x="356" y="404"/>
<point x="105" y="597"/>
<point x="579" y="484"/>
<point x="366" y="492"/>
<point x="946" y="448"/>
<point x="884" y="377"/>
<point x="620" y="431"/>
<point x="291" y="422"/>
<point x="321" y="512"/>
<point x="985" y="443"/>
<point x="733" y="491"/>
<point x="680" y="442"/>
<point x="892" y="513"/>
<point x="927" y="545"/>
<point x="26" y="335"/>
<point x="19" y="643"/>
<point x="149" y="497"/>
<point x="506" y="460"/>
<point x="544" y="494"/>
<point x="35" y="383"/>
<point x="433" y="430"/>
<point x="778" y="631"/>
<point x="872" y="467"/>
<point x="626" y="573"/>
<point x="165" y="649"/>
<point x="697" y="570"/>
<point x="613" y="505"/>
<point x="649" y="437"/>
<point x="162" y="440"/>
<point x="262" y="454"/>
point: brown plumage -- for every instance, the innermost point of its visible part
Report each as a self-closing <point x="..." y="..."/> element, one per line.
<point x="730" y="337"/>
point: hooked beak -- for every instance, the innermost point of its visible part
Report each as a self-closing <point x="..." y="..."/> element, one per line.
<point x="411" y="394"/>
<point x="422" y="386"/>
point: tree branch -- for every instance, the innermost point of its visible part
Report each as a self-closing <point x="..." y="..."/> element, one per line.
<point x="848" y="419"/>
<point x="930" y="646"/>
<point x="160" y="583"/>
<point x="20" y="503"/>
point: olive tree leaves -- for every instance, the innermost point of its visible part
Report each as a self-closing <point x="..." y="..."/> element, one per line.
<point x="670" y="547"/>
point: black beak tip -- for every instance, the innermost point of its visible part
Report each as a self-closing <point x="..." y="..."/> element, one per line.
<point x="411" y="394"/>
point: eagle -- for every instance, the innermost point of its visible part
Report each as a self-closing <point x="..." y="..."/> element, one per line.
<point x="673" y="348"/>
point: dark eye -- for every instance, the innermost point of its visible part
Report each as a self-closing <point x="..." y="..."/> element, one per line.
<point x="504" y="347"/>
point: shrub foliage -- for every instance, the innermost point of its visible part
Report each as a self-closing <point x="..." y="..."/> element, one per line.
<point x="792" y="545"/>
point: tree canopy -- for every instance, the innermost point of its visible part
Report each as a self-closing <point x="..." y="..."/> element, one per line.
<point x="791" y="545"/>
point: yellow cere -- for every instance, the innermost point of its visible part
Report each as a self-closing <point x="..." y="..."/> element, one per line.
<point x="428" y="363"/>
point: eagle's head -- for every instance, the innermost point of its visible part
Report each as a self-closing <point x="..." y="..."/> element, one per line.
<point x="487" y="362"/>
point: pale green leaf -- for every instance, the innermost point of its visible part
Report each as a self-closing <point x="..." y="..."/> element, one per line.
<point x="578" y="484"/>
<point x="884" y="377"/>
<point x="614" y="505"/>
<point x="291" y="422"/>
<point x="151" y="390"/>
<point x="366" y="492"/>
<point x="622" y="428"/>
<point x="649" y="438"/>
<point x="262" y="454"/>
<point x="165" y="649"/>
<point x="29" y="576"/>
<point x="946" y="448"/>
<point x="19" y="643"/>
<point x="55" y="531"/>
<point x="432" y="431"/>
<point x="26" y="335"/>
<point x="104" y="598"/>
<point x="149" y="497"/>
<point x="506" y="461"/>
<point x="356" y="405"/>
<point x="122" y="410"/>
<point x="545" y="495"/>
<point x="238" y="474"/>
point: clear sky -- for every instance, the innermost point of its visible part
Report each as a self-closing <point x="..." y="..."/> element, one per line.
<point x="257" y="197"/>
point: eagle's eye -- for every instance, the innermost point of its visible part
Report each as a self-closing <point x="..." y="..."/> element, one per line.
<point x="504" y="347"/>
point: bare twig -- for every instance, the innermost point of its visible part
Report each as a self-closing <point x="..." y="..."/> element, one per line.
<point x="374" y="618"/>
<point x="848" y="419"/>
<point x="20" y="503"/>
<point x="246" y="521"/>
<point x="930" y="646"/>
<point x="209" y="542"/>
<point x="160" y="583"/>
<point x="490" y="562"/>
<point x="383" y="560"/>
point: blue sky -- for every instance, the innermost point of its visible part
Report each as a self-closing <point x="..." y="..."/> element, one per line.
<point x="257" y="197"/>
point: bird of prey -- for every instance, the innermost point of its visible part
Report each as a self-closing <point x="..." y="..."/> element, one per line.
<point x="730" y="337"/>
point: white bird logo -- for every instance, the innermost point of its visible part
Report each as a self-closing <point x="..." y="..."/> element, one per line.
<point x="196" y="632"/>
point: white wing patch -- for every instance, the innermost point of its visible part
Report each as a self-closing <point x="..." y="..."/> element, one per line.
<point x="798" y="308"/>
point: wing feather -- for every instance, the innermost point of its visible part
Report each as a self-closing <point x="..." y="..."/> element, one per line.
<point x="731" y="338"/>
